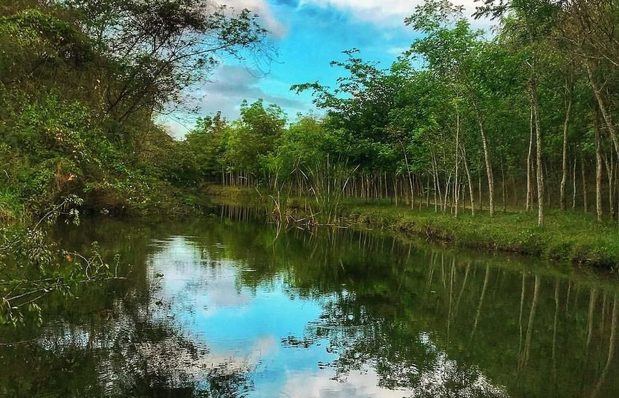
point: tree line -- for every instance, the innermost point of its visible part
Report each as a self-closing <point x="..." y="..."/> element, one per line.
<point x="520" y="118"/>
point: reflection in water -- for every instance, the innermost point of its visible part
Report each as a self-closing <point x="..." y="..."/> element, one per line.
<point x="222" y="308"/>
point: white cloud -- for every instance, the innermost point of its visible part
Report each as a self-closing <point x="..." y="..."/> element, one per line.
<point x="228" y="87"/>
<point x="396" y="51"/>
<point x="323" y="383"/>
<point x="381" y="12"/>
<point x="438" y="378"/>
<point x="231" y="85"/>
<point x="261" y="8"/>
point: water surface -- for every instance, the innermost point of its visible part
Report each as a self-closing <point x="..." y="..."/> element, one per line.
<point x="221" y="308"/>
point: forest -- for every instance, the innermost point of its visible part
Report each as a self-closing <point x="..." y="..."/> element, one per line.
<point x="521" y="119"/>
<point x="516" y="120"/>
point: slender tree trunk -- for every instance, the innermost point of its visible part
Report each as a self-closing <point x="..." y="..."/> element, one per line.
<point x="386" y="186"/>
<point x="598" y="171"/>
<point x="602" y="107"/>
<point x="435" y="193"/>
<point x="436" y="184"/>
<point x="530" y="162"/>
<point x="395" y="190"/>
<point x="584" y="185"/>
<point x="538" y="155"/>
<point x="469" y="181"/>
<point x="446" y="197"/>
<point x="488" y="162"/>
<point x="610" y="173"/>
<point x="410" y="177"/>
<point x="481" y="200"/>
<point x="574" y="186"/>
<point x="564" y="157"/>
<point x="456" y="188"/>
<point x="428" y="193"/>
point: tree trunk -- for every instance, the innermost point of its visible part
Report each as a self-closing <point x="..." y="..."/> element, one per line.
<point x="584" y="185"/>
<point x="610" y="173"/>
<point x="436" y="184"/>
<point x="530" y="162"/>
<point x="598" y="171"/>
<point x="484" y="141"/>
<point x="564" y="158"/>
<point x="481" y="200"/>
<point x="469" y="181"/>
<point x="574" y="186"/>
<point x="605" y="113"/>
<point x="456" y="188"/>
<point x="395" y="190"/>
<point x="538" y="157"/>
<point x="410" y="178"/>
<point x="446" y="197"/>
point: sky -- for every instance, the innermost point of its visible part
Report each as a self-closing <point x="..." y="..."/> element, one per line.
<point x="306" y="36"/>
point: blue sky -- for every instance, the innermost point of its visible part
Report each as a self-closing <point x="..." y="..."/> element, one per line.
<point x="306" y="35"/>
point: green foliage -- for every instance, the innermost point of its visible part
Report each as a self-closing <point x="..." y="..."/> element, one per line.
<point x="253" y="137"/>
<point x="79" y="88"/>
<point x="303" y="145"/>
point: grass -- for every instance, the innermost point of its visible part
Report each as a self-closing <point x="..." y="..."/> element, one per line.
<point x="572" y="237"/>
<point x="566" y="236"/>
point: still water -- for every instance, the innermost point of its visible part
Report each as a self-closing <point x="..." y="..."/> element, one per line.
<point x="222" y="308"/>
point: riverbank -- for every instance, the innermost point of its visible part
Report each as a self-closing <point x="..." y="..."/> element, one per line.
<point x="567" y="237"/>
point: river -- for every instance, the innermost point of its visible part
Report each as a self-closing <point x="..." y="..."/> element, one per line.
<point x="233" y="308"/>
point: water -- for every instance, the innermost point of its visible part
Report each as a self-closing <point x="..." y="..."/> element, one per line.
<point x="219" y="308"/>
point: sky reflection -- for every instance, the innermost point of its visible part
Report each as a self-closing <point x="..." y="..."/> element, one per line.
<point x="250" y="326"/>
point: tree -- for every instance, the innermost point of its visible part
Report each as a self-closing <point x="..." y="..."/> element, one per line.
<point x="252" y="139"/>
<point x="158" y="48"/>
<point x="450" y="48"/>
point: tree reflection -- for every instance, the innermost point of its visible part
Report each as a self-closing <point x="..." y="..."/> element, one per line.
<point x="424" y="321"/>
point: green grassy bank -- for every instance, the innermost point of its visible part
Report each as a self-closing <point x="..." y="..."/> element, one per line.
<point x="565" y="237"/>
<point x="568" y="237"/>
